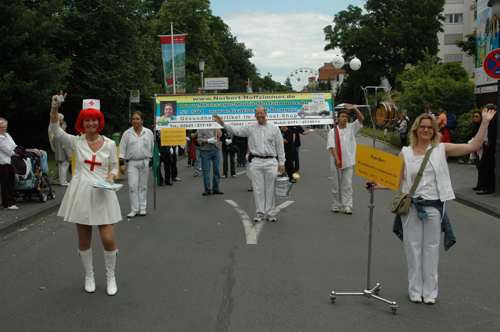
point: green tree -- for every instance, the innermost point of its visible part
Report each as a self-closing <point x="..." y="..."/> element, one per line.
<point x="387" y="36"/>
<point x="30" y="69"/>
<point x="437" y="85"/>
<point x="109" y="44"/>
<point x="468" y="45"/>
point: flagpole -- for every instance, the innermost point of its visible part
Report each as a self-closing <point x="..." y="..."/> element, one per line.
<point x="173" y="55"/>
<point x="155" y="169"/>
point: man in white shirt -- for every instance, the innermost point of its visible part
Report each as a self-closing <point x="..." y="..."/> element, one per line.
<point x="136" y="148"/>
<point x="342" y="147"/>
<point x="267" y="159"/>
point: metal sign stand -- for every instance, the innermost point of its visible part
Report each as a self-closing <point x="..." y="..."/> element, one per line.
<point x="369" y="292"/>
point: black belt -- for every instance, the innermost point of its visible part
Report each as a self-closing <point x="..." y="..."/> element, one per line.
<point x="251" y="156"/>
<point x="263" y="157"/>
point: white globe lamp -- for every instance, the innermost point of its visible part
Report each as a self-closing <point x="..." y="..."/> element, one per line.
<point x="338" y="61"/>
<point x="355" y="64"/>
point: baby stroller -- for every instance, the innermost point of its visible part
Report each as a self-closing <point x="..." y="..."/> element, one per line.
<point x="31" y="170"/>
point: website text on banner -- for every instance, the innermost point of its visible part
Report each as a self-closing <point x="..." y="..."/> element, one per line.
<point x="379" y="166"/>
<point x="283" y="109"/>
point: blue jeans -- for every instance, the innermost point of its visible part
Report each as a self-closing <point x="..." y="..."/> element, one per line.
<point x="207" y="157"/>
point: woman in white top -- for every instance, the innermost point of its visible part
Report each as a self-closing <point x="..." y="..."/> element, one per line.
<point x="136" y="148"/>
<point x="422" y="225"/>
<point x="96" y="160"/>
<point x="7" y="174"/>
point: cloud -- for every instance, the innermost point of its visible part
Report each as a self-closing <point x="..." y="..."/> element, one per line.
<point x="283" y="42"/>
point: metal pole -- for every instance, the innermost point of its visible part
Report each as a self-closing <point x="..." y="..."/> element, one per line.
<point x="497" y="149"/>
<point x="370" y="230"/>
<point x="173" y="55"/>
<point x="129" y="110"/>
<point x="202" y="81"/>
<point x="154" y="175"/>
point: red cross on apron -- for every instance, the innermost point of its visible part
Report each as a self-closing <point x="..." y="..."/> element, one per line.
<point x="92" y="163"/>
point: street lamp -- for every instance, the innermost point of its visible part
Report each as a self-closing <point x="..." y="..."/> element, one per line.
<point x="201" y="66"/>
<point x="339" y="62"/>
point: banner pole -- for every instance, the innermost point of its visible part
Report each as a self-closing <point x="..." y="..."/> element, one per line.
<point x="155" y="181"/>
<point x="173" y="55"/>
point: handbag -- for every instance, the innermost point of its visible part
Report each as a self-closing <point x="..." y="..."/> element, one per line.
<point x="401" y="201"/>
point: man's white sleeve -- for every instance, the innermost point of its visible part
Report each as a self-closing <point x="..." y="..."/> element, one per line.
<point x="243" y="131"/>
<point x="331" y="139"/>
<point x="123" y="144"/>
<point x="356" y="126"/>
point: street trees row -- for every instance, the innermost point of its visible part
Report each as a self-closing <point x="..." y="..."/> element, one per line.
<point x="102" y="49"/>
<point x="387" y="35"/>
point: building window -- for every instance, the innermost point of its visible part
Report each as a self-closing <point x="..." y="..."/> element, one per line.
<point x="454" y="18"/>
<point x="453" y="58"/>
<point x="453" y="38"/>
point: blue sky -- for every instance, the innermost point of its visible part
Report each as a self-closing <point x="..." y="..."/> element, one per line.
<point x="283" y="35"/>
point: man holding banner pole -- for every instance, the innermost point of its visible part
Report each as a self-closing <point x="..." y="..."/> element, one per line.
<point x="342" y="146"/>
<point x="267" y="159"/>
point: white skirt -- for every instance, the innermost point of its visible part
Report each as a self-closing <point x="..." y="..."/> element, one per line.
<point x="86" y="205"/>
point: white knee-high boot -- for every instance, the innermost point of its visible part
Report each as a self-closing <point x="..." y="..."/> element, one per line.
<point x="86" y="256"/>
<point x="110" y="263"/>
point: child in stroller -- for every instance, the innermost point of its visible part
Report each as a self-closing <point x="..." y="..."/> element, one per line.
<point x="31" y="170"/>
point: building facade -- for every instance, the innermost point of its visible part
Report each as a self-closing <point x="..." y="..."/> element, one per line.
<point x="459" y="22"/>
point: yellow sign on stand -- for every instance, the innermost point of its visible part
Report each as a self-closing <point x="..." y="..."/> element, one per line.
<point x="173" y="136"/>
<point x="379" y="166"/>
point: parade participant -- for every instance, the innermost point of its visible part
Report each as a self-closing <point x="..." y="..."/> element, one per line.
<point x="267" y="159"/>
<point x="290" y="151"/>
<point x="342" y="147"/>
<point x="62" y="154"/>
<point x="422" y="226"/>
<point x="229" y="150"/>
<point x="7" y="173"/>
<point x="209" y="153"/>
<point x="442" y="121"/>
<point x="136" y="148"/>
<point x="83" y="204"/>
<point x="487" y="162"/>
<point x="402" y="127"/>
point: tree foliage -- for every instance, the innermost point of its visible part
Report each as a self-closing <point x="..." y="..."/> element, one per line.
<point x="102" y="49"/>
<point x="387" y="36"/>
<point x="437" y="85"/>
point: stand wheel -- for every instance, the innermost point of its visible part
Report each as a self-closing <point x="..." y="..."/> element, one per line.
<point x="394" y="309"/>
<point x="332" y="297"/>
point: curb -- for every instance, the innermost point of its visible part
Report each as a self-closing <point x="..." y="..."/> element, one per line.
<point x="485" y="208"/>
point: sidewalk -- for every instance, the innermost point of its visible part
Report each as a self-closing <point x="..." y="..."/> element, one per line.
<point x="463" y="179"/>
<point x="11" y="220"/>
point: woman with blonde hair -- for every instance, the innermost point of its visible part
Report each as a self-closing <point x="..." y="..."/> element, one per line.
<point x="422" y="226"/>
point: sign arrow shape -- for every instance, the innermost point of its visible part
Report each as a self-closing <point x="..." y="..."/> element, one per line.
<point x="252" y="230"/>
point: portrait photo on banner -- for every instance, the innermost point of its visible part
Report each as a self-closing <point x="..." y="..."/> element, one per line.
<point x="167" y="112"/>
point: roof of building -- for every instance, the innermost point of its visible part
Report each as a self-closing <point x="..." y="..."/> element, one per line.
<point x="328" y="72"/>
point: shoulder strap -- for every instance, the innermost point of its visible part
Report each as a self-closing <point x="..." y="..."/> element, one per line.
<point x="420" y="171"/>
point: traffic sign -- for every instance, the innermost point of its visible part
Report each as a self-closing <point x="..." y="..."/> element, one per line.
<point x="491" y="64"/>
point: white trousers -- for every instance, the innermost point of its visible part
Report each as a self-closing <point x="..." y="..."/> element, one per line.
<point x="421" y="243"/>
<point x="62" y="168"/>
<point x="138" y="173"/>
<point x="345" y="187"/>
<point x="263" y="173"/>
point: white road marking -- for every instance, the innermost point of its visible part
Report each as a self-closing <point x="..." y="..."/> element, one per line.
<point x="252" y="230"/>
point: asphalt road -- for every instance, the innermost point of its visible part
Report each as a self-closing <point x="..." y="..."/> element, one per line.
<point x="187" y="267"/>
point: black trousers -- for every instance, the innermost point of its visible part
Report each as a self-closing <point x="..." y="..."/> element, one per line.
<point x="231" y="155"/>
<point x="295" y="157"/>
<point x="7" y="178"/>
<point x="169" y="161"/>
<point x="486" y="169"/>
